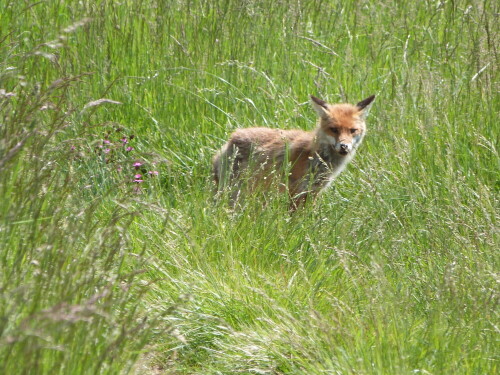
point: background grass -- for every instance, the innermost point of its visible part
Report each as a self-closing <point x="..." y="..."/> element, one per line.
<point x="392" y="271"/>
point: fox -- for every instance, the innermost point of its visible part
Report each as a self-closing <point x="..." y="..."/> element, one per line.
<point x="304" y="163"/>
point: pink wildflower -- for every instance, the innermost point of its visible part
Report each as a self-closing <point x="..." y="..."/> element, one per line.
<point x="137" y="164"/>
<point x="153" y="173"/>
<point x="107" y="150"/>
<point x="106" y="142"/>
<point x="129" y="149"/>
<point x="124" y="140"/>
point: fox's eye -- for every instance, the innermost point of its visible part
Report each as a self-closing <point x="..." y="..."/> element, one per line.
<point x="353" y="131"/>
<point x="335" y="130"/>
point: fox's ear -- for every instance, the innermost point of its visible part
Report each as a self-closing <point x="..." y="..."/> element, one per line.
<point x="365" y="105"/>
<point x="320" y="106"/>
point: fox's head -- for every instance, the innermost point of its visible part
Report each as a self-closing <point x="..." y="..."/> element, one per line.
<point x="342" y="126"/>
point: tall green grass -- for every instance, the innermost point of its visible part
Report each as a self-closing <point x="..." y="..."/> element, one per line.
<point x="392" y="271"/>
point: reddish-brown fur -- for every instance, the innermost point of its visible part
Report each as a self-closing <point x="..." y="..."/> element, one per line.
<point x="311" y="159"/>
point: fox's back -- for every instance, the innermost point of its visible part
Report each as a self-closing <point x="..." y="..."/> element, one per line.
<point x="266" y="142"/>
<point x="267" y="138"/>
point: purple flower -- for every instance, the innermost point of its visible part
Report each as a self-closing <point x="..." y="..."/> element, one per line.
<point x="153" y="173"/>
<point x="124" y="140"/>
<point x="73" y="148"/>
<point x="107" y="150"/>
<point x="137" y="164"/>
<point x="137" y="176"/>
<point x="129" y="149"/>
<point x="106" y="142"/>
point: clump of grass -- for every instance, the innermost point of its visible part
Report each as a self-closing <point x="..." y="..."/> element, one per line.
<point x="70" y="283"/>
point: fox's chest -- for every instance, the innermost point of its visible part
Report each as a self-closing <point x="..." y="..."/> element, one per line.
<point x="325" y="165"/>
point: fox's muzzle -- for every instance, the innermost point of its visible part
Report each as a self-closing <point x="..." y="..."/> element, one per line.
<point x="344" y="149"/>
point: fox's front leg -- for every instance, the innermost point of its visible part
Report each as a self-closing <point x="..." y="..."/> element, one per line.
<point x="297" y="201"/>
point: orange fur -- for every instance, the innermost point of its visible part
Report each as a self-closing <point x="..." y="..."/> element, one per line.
<point x="311" y="159"/>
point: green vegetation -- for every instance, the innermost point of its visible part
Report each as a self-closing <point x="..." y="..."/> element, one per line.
<point x="107" y="267"/>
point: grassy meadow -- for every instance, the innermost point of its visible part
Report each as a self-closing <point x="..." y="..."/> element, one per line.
<point x="116" y="259"/>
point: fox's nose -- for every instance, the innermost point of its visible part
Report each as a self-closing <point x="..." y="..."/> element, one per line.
<point x="344" y="148"/>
